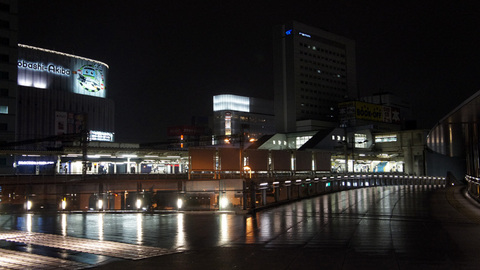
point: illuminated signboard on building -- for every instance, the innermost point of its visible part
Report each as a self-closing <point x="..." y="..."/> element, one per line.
<point x="231" y="102"/>
<point x="51" y="68"/>
<point x="368" y="111"/>
<point x="304" y="35"/>
<point x="48" y="69"/>
<point x="100" y="136"/>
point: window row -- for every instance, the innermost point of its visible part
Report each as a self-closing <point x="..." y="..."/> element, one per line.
<point x="340" y="69"/>
<point x="327" y="59"/>
<point x="322" y="86"/>
<point x="317" y="70"/>
<point x="316" y="114"/>
<point x="325" y="98"/>
<point x="320" y="78"/>
<point x="316" y="48"/>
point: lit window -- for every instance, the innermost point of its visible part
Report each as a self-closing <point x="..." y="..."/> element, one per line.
<point x="360" y="141"/>
<point x="385" y="138"/>
<point x="4" y="109"/>
<point x="301" y="140"/>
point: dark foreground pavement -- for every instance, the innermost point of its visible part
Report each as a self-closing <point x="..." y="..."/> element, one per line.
<point x="371" y="228"/>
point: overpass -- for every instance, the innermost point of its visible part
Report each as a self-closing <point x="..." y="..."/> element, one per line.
<point x="173" y="192"/>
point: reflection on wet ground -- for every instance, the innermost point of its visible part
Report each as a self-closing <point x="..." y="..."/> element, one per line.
<point x="386" y="223"/>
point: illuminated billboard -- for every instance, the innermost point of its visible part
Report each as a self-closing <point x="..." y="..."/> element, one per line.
<point x="368" y="111"/>
<point x="48" y="69"/>
<point x="231" y="102"/>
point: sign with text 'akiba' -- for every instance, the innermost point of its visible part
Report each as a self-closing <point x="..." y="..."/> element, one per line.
<point x="48" y="69"/>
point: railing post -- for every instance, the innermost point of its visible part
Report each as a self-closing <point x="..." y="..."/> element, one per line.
<point x="253" y="195"/>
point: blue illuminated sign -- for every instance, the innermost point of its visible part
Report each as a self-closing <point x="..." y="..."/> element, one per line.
<point x="288" y="32"/>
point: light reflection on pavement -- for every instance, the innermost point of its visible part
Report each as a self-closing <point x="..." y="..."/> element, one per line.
<point x="377" y="220"/>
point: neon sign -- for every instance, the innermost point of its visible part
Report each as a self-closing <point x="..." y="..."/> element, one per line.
<point x="50" y="68"/>
<point x="288" y="32"/>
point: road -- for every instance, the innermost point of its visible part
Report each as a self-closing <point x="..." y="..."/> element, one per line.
<point x="395" y="227"/>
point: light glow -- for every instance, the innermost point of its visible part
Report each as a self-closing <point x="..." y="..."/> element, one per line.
<point x="31" y="162"/>
<point x="231" y="102"/>
<point x="179" y="203"/>
<point x="223" y="202"/>
<point x="29" y="205"/>
<point x="100" y="136"/>
<point x="139" y="203"/>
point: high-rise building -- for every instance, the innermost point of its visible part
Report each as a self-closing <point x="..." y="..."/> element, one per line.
<point x="314" y="70"/>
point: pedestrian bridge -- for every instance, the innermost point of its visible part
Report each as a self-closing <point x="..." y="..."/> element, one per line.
<point x="268" y="192"/>
<point x="155" y="192"/>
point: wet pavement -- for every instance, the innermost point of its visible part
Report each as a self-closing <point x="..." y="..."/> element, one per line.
<point x="396" y="227"/>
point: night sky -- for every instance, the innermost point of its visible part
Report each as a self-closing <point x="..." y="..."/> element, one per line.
<point x="168" y="58"/>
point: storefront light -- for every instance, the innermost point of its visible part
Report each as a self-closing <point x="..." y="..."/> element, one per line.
<point x="29" y="205"/>
<point x="223" y="202"/>
<point x="138" y="204"/>
<point x="179" y="203"/>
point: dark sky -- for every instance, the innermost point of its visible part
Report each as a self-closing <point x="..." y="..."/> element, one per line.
<point x="168" y="58"/>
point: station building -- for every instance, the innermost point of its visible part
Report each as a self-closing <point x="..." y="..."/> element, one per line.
<point x="57" y="99"/>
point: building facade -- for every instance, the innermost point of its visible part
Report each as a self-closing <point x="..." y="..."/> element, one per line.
<point x="241" y="119"/>
<point x="59" y="94"/>
<point x="314" y="70"/>
<point x="8" y="75"/>
<point x="56" y="98"/>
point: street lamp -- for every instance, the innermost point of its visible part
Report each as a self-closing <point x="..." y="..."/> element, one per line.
<point x="249" y="170"/>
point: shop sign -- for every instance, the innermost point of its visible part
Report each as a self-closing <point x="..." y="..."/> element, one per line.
<point x="50" y="68"/>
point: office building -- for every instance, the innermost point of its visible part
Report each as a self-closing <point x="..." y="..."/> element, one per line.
<point x="314" y="70"/>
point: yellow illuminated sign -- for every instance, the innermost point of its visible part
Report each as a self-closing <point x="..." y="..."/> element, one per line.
<point x="368" y="111"/>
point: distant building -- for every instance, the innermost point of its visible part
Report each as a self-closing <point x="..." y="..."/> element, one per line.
<point x="198" y="133"/>
<point x="241" y="119"/>
<point x="314" y="70"/>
